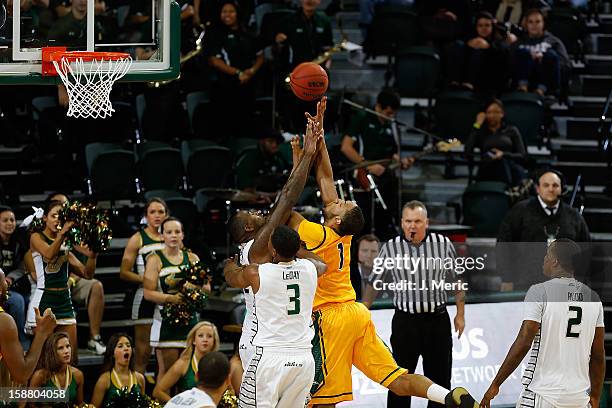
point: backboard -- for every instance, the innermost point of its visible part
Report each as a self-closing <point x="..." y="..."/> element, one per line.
<point x="149" y="30"/>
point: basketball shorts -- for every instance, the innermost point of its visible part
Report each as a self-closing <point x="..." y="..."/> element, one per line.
<point x="277" y="378"/>
<point x="345" y="336"/>
<point x="246" y="350"/>
<point x="530" y="399"/>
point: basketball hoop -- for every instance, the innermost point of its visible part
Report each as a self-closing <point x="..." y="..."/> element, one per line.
<point x="88" y="77"/>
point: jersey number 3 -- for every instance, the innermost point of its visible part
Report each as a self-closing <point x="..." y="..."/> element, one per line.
<point x="295" y="299"/>
<point x="573" y="321"/>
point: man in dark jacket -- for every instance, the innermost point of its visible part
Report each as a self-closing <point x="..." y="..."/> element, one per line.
<point x="539" y="57"/>
<point x="530" y="227"/>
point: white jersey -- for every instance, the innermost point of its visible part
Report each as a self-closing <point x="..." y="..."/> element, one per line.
<point x="193" y="398"/>
<point x="283" y="304"/>
<point x="245" y="346"/>
<point x="558" y="368"/>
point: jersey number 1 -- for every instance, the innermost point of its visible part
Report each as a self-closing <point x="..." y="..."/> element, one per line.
<point x="295" y="299"/>
<point x="573" y="321"/>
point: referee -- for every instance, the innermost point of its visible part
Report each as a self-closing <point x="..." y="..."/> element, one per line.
<point x="421" y="325"/>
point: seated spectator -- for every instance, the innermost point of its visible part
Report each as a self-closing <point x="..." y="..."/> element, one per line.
<point x="86" y="292"/>
<point x="483" y="61"/>
<point x="56" y="370"/>
<point x="236" y="56"/>
<point x="501" y="146"/>
<point x="537" y="222"/>
<point x="539" y="57"/>
<point x="263" y="168"/>
<point x="12" y="251"/>
<point x="367" y="249"/>
<point x="117" y="373"/>
<point x="213" y="381"/>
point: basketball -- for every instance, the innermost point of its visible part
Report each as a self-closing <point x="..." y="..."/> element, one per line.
<point x="308" y="81"/>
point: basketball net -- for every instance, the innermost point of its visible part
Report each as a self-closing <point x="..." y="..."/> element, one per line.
<point x="89" y="84"/>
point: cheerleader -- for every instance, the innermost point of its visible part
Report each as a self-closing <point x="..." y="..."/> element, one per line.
<point x="117" y="372"/>
<point x="140" y="245"/>
<point x="162" y="281"/>
<point x="202" y="339"/>
<point x="53" y="263"/>
<point x="56" y="371"/>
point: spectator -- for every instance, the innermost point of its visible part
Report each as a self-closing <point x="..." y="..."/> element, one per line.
<point x="367" y="249"/>
<point x="117" y="372"/>
<point x="236" y="57"/>
<point x="540" y="219"/>
<point x="71" y="29"/>
<point x="139" y="246"/>
<point x="301" y="37"/>
<point x="501" y="146"/>
<point x="213" y="380"/>
<point x="263" y="168"/>
<point x="201" y="340"/>
<point x="370" y="137"/>
<point x="16" y="367"/>
<point x="421" y="324"/>
<point x="56" y="370"/>
<point x="12" y="251"/>
<point x="482" y="62"/>
<point x="539" y="57"/>
<point x="86" y="292"/>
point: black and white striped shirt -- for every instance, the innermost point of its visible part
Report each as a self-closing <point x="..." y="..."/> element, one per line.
<point x="420" y="270"/>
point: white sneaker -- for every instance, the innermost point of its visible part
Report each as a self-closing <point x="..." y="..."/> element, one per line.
<point x="96" y="345"/>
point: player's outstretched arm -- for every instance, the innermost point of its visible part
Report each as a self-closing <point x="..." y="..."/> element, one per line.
<point x="241" y="276"/>
<point x="597" y="366"/>
<point x="323" y="172"/>
<point x="520" y="347"/>
<point x="288" y="197"/>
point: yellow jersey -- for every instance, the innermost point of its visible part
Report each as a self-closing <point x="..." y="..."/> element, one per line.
<point x="335" y="285"/>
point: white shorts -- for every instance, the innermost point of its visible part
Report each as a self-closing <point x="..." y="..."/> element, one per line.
<point x="277" y="378"/>
<point x="246" y="350"/>
<point x="530" y="399"/>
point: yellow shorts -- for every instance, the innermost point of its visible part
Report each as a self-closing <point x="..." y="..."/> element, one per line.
<point x="345" y="336"/>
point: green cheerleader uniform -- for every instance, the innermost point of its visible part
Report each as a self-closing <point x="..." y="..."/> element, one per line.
<point x="189" y="380"/>
<point x="164" y="334"/>
<point x="52" y="274"/>
<point x="114" y="390"/>
<point x="71" y="389"/>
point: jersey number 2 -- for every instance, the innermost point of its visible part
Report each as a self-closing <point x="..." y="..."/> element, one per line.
<point x="295" y="299"/>
<point x="574" y="321"/>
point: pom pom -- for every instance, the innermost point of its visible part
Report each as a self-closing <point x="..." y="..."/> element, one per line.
<point x="90" y="226"/>
<point x="229" y="400"/>
<point x="194" y="298"/>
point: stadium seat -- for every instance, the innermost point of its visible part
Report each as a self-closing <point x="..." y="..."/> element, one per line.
<point x="187" y="146"/>
<point x="391" y="31"/>
<point x="416" y="72"/>
<point x="201" y="200"/>
<point x="455" y="113"/>
<point x="485" y="203"/>
<point x="163" y="194"/>
<point x="161" y="168"/>
<point x="141" y="148"/>
<point x="270" y="23"/>
<point x="185" y="210"/>
<point x="141" y="106"/>
<point x="199" y="112"/>
<point x="569" y="29"/>
<point x="240" y="145"/>
<point x="526" y="112"/>
<point x="264" y="8"/>
<point x="48" y="117"/>
<point x="111" y="171"/>
<point x="209" y="167"/>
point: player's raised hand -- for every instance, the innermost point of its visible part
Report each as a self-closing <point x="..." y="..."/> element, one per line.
<point x="296" y="151"/>
<point x="311" y="138"/>
<point x="489" y="395"/>
<point x="46" y="323"/>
